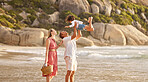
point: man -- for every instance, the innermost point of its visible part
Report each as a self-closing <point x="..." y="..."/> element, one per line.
<point x="70" y="52"/>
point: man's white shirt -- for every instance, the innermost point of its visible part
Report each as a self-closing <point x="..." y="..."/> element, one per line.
<point x="70" y="47"/>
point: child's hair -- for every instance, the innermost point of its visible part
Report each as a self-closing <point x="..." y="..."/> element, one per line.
<point x="70" y="18"/>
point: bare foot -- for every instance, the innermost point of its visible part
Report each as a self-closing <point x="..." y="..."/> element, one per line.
<point x="90" y="19"/>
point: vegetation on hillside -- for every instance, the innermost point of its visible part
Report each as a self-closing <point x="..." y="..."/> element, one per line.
<point x="12" y="18"/>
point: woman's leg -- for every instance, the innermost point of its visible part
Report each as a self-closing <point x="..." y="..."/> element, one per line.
<point x="90" y="26"/>
<point x="49" y="78"/>
<point x="72" y="76"/>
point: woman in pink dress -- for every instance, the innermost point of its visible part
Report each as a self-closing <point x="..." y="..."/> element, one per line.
<point x="51" y="54"/>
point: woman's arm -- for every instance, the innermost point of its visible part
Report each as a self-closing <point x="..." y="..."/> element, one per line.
<point x="47" y="50"/>
<point x="59" y="44"/>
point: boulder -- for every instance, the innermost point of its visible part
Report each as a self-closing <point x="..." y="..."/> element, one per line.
<point x="100" y="4"/>
<point x="108" y="7"/>
<point x="24" y="14"/>
<point x="54" y="17"/>
<point x="35" y="22"/>
<point x="7" y="7"/>
<point x="104" y="6"/>
<point x="31" y="38"/>
<point x="95" y="9"/>
<point x="114" y="35"/>
<point x="75" y="6"/>
<point x="131" y="32"/>
<point x="36" y="29"/>
<point x="85" y="42"/>
<point x="131" y="11"/>
<point x="7" y="36"/>
<point x="99" y="31"/>
<point x="118" y="11"/>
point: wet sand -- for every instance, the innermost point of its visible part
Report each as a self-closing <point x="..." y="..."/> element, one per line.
<point x="20" y="67"/>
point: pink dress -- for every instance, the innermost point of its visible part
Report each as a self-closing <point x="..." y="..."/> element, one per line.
<point x="52" y="57"/>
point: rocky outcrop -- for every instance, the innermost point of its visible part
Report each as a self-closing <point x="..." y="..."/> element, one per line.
<point x="85" y="42"/>
<point x="54" y="17"/>
<point x="8" y="37"/>
<point x="25" y="37"/>
<point x="24" y="14"/>
<point x="114" y="34"/>
<point x="75" y="6"/>
<point x="6" y="6"/>
<point x="95" y="9"/>
<point x="104" y="6"/>
<point x="144" y="2"/>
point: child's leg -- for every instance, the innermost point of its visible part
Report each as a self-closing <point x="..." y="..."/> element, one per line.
<point x="90" y="26"/>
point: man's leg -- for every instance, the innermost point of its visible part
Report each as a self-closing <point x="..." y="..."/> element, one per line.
<point x="67" y="75"/>
<point x="72" y="76"/>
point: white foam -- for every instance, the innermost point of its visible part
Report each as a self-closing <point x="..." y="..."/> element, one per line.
<point x="113" y="56"/>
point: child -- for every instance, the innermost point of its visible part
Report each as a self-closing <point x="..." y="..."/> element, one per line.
<point x="80" y="25"/>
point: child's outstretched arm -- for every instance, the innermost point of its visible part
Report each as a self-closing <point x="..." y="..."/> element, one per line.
<point x="67" y="26"/>
<point x="59" y="44"/>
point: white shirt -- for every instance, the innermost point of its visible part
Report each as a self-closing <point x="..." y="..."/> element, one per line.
<point x="73" y="23"/>
<point x="70" y="47"/>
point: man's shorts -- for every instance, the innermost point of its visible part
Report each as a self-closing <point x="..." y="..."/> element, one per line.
<point x="71" y="64"/>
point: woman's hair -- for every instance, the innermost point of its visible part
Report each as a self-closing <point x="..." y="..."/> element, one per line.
<point x="49" y="33"/>
<point x="61" y="35"/>
<point x="70" y="18"/>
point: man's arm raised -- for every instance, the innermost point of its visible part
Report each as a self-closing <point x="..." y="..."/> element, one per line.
<point x="75" y="32"/>
<point x="79" y="35"/>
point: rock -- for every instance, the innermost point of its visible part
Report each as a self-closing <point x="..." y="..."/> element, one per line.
<point x="118" y="11"/>
<point x="104" y="6"/>
<point x="138" y="26"/>
<point x="75" y="6"/>
<point x="50" y="1"/>
<point x="100" y="4"/>
<point x="35" y="22"/>
<point x="38" y="14"/>
<point x="144" y="2"/>
<point x="36" y="29"/>
<point x="85" y="42"/>
<point x="114" y="35"/>
<point x="24" y="14"/>
<point x="7" y="36"/>
<point x="31" y="38"/>
<point x="131" y="11"/>
<point x="108" y="7"/>
<point x="7" y="7"/>
<point x="143" y="16"/>
<point x="98" y="33"/>
<point x="133" y="33"/>
<point x="95" y="9"/>
<point x="97" y="42"/>
<point x="112" y="21"/>
<point x="54" y="17"/>
<point x="134" y="1"/>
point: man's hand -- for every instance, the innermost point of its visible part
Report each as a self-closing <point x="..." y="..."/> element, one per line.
<point x="66" y="26"/>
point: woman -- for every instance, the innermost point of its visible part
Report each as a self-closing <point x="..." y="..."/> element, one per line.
<point x="51" y="54"/>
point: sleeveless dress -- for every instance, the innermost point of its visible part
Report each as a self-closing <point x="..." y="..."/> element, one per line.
<point x="52" y="57"/>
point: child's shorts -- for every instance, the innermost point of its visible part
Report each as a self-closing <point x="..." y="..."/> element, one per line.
<point x="71" y="64"/>
<point x="81" y="27"/>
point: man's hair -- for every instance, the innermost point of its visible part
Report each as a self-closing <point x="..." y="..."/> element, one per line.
<point x="61" y="35"/>
<point x="70" y="18"/>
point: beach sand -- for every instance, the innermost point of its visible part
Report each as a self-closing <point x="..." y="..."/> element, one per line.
<point x="25" y="67"/>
